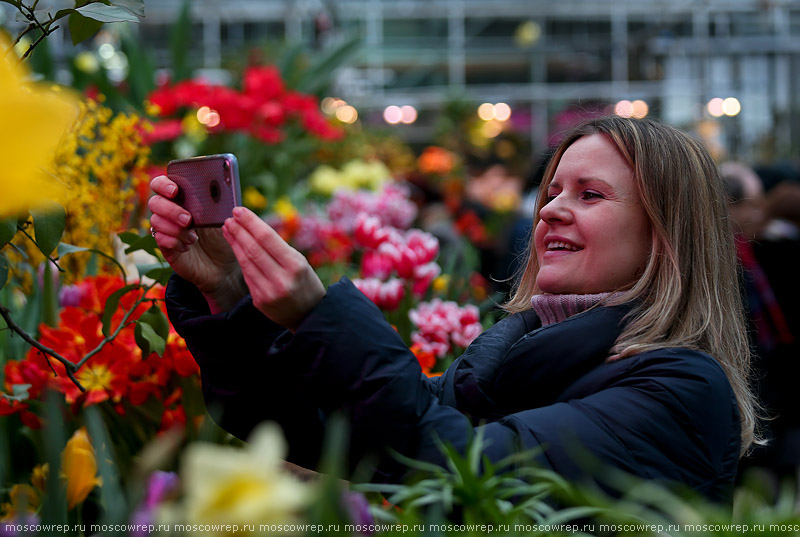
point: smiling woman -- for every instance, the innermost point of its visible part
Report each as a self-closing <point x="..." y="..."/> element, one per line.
<point x="624" y="348"/>
<point x="593" y="235"/>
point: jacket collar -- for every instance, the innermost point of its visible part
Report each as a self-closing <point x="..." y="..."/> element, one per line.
<point x="518" y="364"/>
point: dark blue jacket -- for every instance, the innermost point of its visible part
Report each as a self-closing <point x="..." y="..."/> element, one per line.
<point x="663" y="415"/>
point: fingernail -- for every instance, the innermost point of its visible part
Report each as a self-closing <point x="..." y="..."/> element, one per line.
<point x="172" y="189"/>
<point x="238" y="211"/>
<point x="184" y="219"/>
<point x="192" y="236"/>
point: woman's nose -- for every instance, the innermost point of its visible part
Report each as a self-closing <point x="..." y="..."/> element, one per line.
<point x="556" y="210"/>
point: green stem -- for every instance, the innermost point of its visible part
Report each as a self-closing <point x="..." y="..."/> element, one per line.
<point x="49" y="297"/>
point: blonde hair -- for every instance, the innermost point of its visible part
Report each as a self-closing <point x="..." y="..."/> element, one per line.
<point x="687" y="294"/>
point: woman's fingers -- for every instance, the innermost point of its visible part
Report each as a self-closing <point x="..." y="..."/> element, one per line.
<point x="283" y="254"/>
<point x="283" y="285"/>
<point x="161" y="205"/>
<point x="163" y="186"/>
<point x="256" y="262"/>
<point x="162" y="225"/>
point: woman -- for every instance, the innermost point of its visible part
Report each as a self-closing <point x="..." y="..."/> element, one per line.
<point x="625" y="346"/>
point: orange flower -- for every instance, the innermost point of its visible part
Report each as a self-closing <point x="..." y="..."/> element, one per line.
<point x="436" y="160"/>
<point x="79" y="468"/>
<point x="427" y="359"/>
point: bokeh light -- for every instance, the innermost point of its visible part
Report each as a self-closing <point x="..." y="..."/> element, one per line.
<point x="502" y="112"/>
<point x="731" y="106"/>
<point x="408" y="114"/>
<point x="714" y="107"/>
<point x="624" y="108"/>
<point x="639" y="109"/>
<point x="486" y="111"/>
<point x="392" y="115"/>
<point x="346" y="114"/>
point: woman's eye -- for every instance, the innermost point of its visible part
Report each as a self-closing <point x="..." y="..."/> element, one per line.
<point x="591" y="195"/>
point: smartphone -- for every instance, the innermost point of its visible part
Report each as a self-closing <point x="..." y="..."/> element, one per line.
<point x="208" y="187"/>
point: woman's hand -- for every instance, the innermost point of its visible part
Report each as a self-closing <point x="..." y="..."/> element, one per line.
<point x="201" y="256"/>
<point x="283" y="285"/>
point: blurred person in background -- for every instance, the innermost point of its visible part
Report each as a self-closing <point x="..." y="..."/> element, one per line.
<point x="773" y="334"/>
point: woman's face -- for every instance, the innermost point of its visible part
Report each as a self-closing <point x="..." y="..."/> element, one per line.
<point x="593" y="235"/>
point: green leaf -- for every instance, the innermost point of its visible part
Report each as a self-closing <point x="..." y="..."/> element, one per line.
<point x="3" y="270"/>
<point x="318" y="76"/>
<point x="48" y="225"/>
<point x="141" y="66"/>
<point x="111" y="306"/>
<point x="135" y="7"/>
<point x="179" y="43"/>
<point x="157" y="320"/>
<point x="129" y="237"/>
<point x="20" y="392"/>
<point x="66" y="249"/>
<point x="103" y="13"/>
<point x="147" y="339"/>
<point x="8" y="228"/>
<point x="82" y="28"/>
<point x="146" y="243"/>
<point x="160" y="274"/>
<point x="111" y="492"/>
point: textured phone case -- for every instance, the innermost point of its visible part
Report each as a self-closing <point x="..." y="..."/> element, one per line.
<point x="204" y="191"/>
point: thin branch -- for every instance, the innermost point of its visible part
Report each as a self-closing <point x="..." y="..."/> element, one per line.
<point x="69" y="366"/>
<point x="22" y="34"/>
<point x="51" y="259"/>
<point x="122" y="325"/>
<point x="33" y="45"/>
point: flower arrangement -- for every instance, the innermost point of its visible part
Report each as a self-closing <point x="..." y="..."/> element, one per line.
<point x="272" y="129"/>
<point x="264" y="108"/>
<point x="368" y="236"/>
<point x="119" y="375"/>
<point x="102" y="163"/>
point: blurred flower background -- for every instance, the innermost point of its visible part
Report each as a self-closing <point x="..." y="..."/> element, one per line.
<point x="412" y="181"/>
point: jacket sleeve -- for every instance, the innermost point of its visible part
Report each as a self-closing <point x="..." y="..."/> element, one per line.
<point x="343" y="358"/>
<point x="244" y="380"/>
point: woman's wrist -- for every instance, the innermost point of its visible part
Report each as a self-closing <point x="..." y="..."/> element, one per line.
<point x="226" y="295"/>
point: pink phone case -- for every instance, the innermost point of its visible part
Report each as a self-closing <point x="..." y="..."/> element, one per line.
<point x="209" y="187"/>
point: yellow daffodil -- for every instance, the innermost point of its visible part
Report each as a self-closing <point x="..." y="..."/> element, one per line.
<point x="23" y="499"/>
<point x="34" y="119"/>
<point x="226" y="485"/>
<point x="79" y="468"/>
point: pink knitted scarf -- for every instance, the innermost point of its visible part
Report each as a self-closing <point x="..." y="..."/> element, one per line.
<point x="556" y="308"/>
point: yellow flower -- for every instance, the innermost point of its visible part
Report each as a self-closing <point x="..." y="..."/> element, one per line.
<point x="34" y="119"/>
<point x="324" y="180"/>
<point x="24" y="499"/>
<point x="440" y="283"/>
<point x="100" y="161"/>
<point x="254" y="199"/>
<point x="226" y="485"/>
<point x="39" y="476"/>
<point x="79" y="468"/>
<point x="361" y="174"/>
<point x="284" y="208"/>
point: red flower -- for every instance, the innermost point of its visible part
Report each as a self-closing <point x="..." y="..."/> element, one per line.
<point x="264" y="82"/>
<point x="161" y="131"/>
